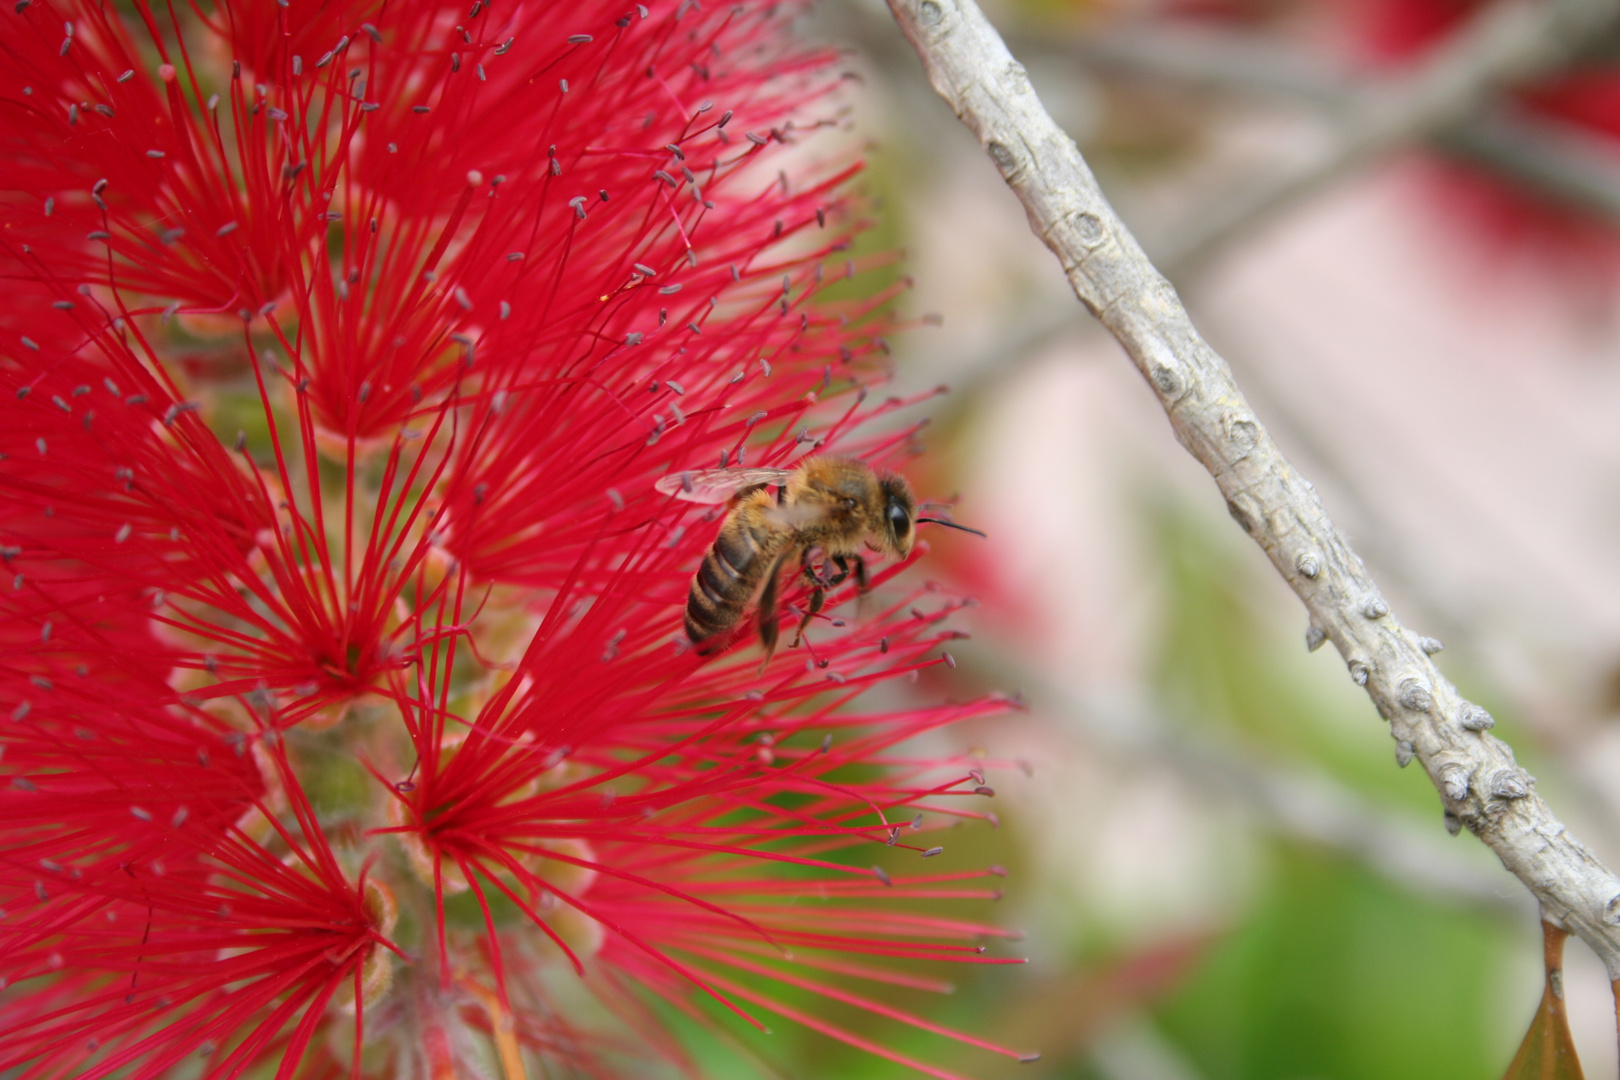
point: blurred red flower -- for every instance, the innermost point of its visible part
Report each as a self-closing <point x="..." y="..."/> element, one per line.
<point x="345" y="716"/>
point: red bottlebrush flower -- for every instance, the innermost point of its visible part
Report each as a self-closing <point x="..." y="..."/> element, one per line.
<point x="346" y="720"/>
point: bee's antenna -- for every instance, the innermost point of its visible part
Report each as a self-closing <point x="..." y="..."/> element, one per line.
<point x="951" y="524"/>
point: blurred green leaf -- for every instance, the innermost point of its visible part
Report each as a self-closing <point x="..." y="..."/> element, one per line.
<point x="1336" y="973"/>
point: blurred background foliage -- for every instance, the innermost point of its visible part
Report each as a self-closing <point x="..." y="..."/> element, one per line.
<point x="1221" y="873"/>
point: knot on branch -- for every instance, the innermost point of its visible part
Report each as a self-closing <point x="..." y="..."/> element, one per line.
<point x="1242" y="435"/>
<point x="1454" y="780"/>
<point x="1082" y="226"/>
<point x="1416" y="695"/>
<point x="1006" y="161"/>
<point x="1611" y="910"/>
<point x="1166" y="379"/>
<point x="1510" y="784"/>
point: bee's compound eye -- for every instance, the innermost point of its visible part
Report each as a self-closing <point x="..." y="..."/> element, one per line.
<point x="899" y="520"/>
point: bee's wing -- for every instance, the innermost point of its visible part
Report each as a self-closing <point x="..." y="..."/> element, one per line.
<point x="717" y="485"/>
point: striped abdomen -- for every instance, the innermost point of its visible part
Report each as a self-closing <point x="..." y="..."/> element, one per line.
<point x="742" y="555"/>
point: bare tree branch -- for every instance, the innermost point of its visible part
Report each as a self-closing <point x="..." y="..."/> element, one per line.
<point x="1555" y="159"/>
<point x="1558" y="159"/>
<point x="1220" y="61"/>
<point x="1509" y="43"/>
<point x="1480" y="784"/>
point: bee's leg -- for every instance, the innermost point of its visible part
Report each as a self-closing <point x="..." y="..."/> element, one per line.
<point x="863" y="585"/>
<point x="818" y="597"/>
<point x="765" y="616"/>
<point x="767" y="639"/>
<point x="842" y="573"/>
<point x="846" y="565"/>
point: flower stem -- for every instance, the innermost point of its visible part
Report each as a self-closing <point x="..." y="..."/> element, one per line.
<point x="504" y="1031"/>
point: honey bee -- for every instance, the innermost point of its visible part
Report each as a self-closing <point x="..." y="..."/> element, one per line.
<point x="823" y="511"/>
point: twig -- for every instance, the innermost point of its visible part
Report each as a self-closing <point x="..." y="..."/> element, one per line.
<point x="1509" y="43"/>
<point x="1480" y="784"/>
<point x="1209" y="60"/>
<point x="1556" y="159"/>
